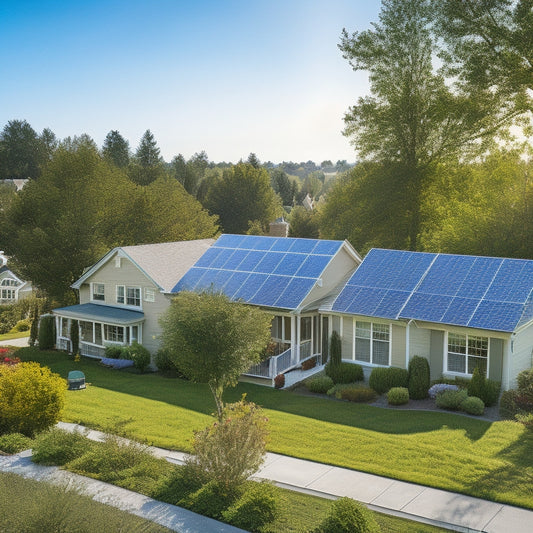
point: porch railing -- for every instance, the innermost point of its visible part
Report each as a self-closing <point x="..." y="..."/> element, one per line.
<point x="63" y="344"/>
<point x="91" y="350"/>
<point x="305" y="350"/>
<point x="271" y="367"/>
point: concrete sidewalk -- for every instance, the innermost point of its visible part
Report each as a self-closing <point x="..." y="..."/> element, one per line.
<point x="20" y="342"/>
<point x="456" y="512"/>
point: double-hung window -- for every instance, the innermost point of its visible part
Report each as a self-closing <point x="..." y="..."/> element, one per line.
<point x="466" y="352"/>
<point x="98" y="292"/>
<point x="372" y="343"/>
<point x="133" y="296"/>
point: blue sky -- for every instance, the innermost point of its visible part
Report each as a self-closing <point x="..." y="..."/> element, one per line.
<point x="229" y="77"/>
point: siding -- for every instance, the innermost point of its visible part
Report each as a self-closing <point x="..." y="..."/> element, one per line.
<point x="522" y="351"/>
<point x="496" y="359"/>
<point x="436" y="354"/>
<point x="347" y="338"/>
<point x="419" y="342"/>
<point x="398" y="346"/>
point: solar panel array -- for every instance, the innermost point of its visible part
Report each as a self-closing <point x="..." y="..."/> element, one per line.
<point x="478" y="292"/>
<point x="268" y="271"/>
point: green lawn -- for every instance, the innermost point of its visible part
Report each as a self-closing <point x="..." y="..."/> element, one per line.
<point x="18" y="335"/>
<point x="452" y="452"/>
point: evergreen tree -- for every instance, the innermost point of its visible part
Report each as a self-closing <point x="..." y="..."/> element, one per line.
<point x="148" y="164"/>
<point x="116" y="149"/>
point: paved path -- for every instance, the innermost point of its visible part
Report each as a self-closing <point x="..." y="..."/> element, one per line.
<point x="424" y="504"/>
<point x="23" y="341"/>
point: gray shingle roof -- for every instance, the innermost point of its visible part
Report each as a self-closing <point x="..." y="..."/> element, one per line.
<point x="101" y="313"/>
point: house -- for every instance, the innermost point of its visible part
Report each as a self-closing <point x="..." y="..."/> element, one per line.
<point x="124" y="293"/>
<point x="457" y="311"/>
<point x="12" y="287"/>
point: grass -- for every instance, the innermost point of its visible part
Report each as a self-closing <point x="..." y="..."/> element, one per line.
<point x="17" y="335"/>
<point x="456" y="453"/>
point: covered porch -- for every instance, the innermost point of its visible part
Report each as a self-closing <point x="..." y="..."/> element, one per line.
<point x="99" y="326"/>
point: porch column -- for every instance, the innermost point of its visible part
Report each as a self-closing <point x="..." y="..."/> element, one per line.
<point x="295" y="348"/>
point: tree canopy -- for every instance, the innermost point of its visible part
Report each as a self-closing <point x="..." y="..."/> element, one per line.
<point x="147" y="165"/>
<point x="116" y="149"/>
<point x="213" y="340"/>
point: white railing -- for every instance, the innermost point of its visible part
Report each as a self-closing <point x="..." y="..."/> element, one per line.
<point x="305" y="350"/>
<point x="91" y="350"/>
<point x="271" y="367"/>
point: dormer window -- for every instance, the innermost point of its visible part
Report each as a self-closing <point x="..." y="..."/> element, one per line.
<point x="98" y="292"/>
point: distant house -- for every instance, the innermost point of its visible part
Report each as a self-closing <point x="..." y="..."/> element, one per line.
<point x="124" y="293"/>
<point x="12" y="287"/>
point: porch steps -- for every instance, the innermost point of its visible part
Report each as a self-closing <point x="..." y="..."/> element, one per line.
<point x="295" y="376"/>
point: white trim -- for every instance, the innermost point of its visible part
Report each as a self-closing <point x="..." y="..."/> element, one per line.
<point x="93" y="292"/>
<point x="447" y="372"/>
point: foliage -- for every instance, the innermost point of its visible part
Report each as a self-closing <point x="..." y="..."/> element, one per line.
<point x="436" y="389"/>
<point x="335" y="350"/>
<point x="382" y="379"/>
<point x="31" y="398"/>
<point x="283" y="186"/>
<point x="47" y="336"/>
<point x="419" y="378"/>
<point x="41" y="507"/>
<point x="233" y="448"/>
<point x="508" y="404"/>
<point x="473" y="406"/>
<point x="358" y="394"/>
<point x="517" y="402"/>
<point x="191" y="173"/>
<point x="140" y="355"/>
<point x="241" y="195"/>
<point x="177" y="484"/>
<point x="525" y="419"/>
<point x="524" y="382"/>
<point x="211" y="499"/>
<point x="21" y="325"/>
<point x="147" y="165"/>
<point x="213" y="340"/>
<point x="348" y="516"/>
<point x="451" y="399"/>
<point x="113" y="351"/>
<point x="398" y="396"/>
<point x="59" y="447"/>
<point x="163" y="362"/>
<point x="319" y="384"/>
<point x="14" y="442"/>
<point x="256" y="507"/>
<point x="308" y="364"/>
<point x="485" y="389"/>
<point x="304" y="223"/>
<point x="116" y="149"/>
<point x="345" y="372"/>
<point x="75" y="336"/>
<point x="279" y="381"/>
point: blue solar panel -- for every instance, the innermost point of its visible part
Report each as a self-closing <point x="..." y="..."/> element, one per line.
<point x="499" y="316"/>
<point x="282" y="244"/>
<point x="235" y="282"/>
<point x="327" y="247"/>
<point x="261" y="243"/>
<point x="446" y="274"/>
<point x="208" y="257"/>
<point x="271" y="290"/>
<point x="251" y="261"/>
<point x="189" y="280"/>
<point x="296" y="291"/>
<point x="313" y="266"/>
<point x="460" y="311"/>
<point x="289" y="265"/>
<point x="221" y="259"/>
<point x="428" y="307"/>
<point x="343" y="301"/>
<point x="303" y="246"/>
<point x="269" y="262"/>
<point x="230" y="241"/>
<point x="508" y="283"/>
<point x="236" y="258"/>
<point x="480" y="277"/>
<point x="391" y="304"/>
<point x="250" y="287"/>
<point x="367" y="301"/>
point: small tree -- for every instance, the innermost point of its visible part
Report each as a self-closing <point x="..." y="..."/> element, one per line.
<point x="75" y="336"/>
<point x="419" y="378"/>
<point x="213" y="340"/>
<point x="335" y="351"/>
<point x="46" y="332"/>
<point x="34" y="329"/>
<point x="232" y="449"/>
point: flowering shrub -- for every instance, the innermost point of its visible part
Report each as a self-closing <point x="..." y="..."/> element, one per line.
<point x="440" y="387"/>
<point x="6" y="357"/>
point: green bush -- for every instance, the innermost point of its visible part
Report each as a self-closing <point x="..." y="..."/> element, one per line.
<point x="335" y="350"/>
<point x="177" y="484"/>
<point x="14" y="443"/>
<point x="258" y="506"/>
<point x="526" y="420"/>
<point x="345" y="372"/>
<point x="451" y="399"/>
<point x="383" y="379"/>
<point x="112" y="351"/>
<point x="481" y="387"/>
<point x="508" y="404"/>
<point x="59" y="447"/>
<point x="418" y="381"/>
<point x="473" y="406"/>
<point x="319" y="384"/>
<point x="358" y="394"/>
<point x="140" y="355"/>
<point x="31" y="398"/>
<point x="47" y="336"/>
<point x="209" y="500"/>
<point x="163" y="362"/>
<point x="75" y="336"/>
<point x="525" y="385"/>
<point x="348" y="516"/>
<point x="21" y="325"/>
<point x="398" y="396"/>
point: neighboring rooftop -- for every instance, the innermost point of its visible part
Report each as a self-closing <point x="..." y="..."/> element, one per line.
<point x="477" y="292"/>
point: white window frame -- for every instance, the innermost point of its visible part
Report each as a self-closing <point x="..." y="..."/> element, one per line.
<point x="94" y="287"/>
<point x="466" y="355"/>
<point x="9" y="282"/>
<point x="8" y="293"/>
<point x="149" y="295"/>
<point x="121" y="298"/>
<point x="137" y="297"/>
<point x="371" y="339"/>
<point x="118" y="262"/>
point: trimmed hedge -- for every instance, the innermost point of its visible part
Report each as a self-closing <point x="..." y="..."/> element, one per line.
<point x="451" y="399"/>
<point x="419" y="381"/>
<point x="473" y="406"/>
<point x="383" y="379"/>
<point x="358" y="394"/>
<point x="398" y="396"/>
<point x="345" y="372"/>
<point x="47" y="337"/>
<point x="481" y="387"/>
<point x="348" y="516"/>
<point x="319" y="384"/>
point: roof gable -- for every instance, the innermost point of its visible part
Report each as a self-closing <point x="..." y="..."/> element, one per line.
<point x="479" y="292"/>
<point x="276" y="272"/>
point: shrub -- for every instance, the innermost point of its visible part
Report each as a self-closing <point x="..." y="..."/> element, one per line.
<point x="113" y="351"/>
<point x="140" y="355"/>
<point x="215" y="450"/>
<point x="257" y="507"/>
<point x="279" y="381"/>
<point x="418" y="381"/>
<point x="335" y="350"/>
<point x="309" y="363"/>
<point x="176" y="485"/>
<point x="358" y="394"/>
<point x="526" y="420"/>
<point x="345" y="372"/>
<point x="398" y="396"/>
<point x="163" y="361"/>
<point x="14" y="442"/>
<point x="508" y="404"/>
<point x="75" y="336"/>
<point x="525" y="384"/>
<point x="59" y="447"/>
<point x="209" y="500"/>
<point x="348" y="516"/>
<point x="483" y="388"/>
<point x="473" y="405"/>
<point x="491" y="392"/>
<point x="382" y="379"/>
<point x="47" y="336"/>
<point x="31" y="398"/>
<point x="319" y="384"/>
<point x="451" y="399"/>
<point x="436" y="389"/>
<point x="21" y="325"/>
<point x="34" y="329"/>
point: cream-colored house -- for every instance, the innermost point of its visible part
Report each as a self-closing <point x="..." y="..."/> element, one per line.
<point x="12" y="287"/>
<point x="123" y="295"/>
